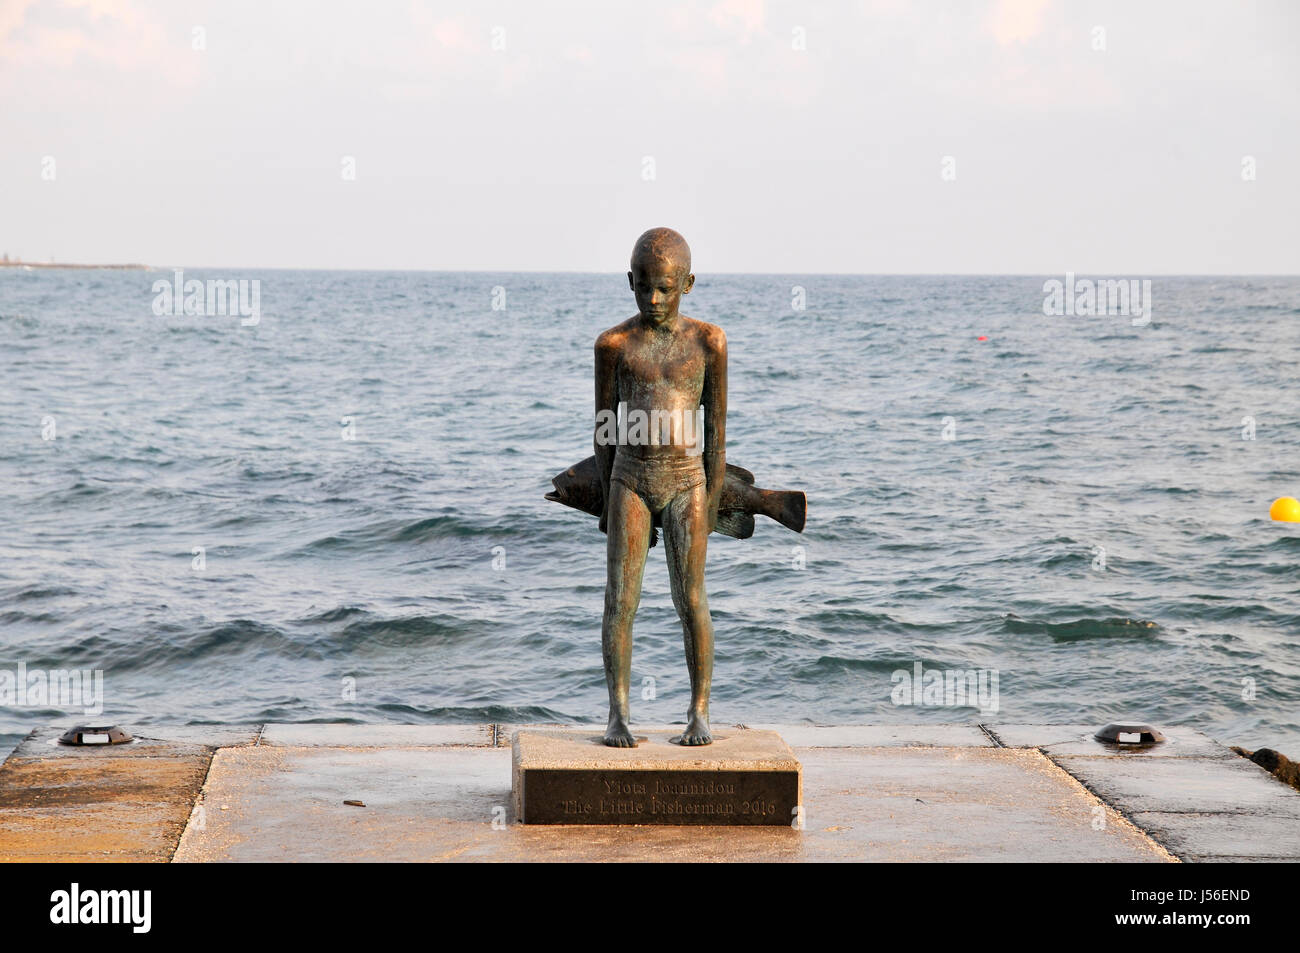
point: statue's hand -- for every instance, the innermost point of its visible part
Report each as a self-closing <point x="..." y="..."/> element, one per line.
<point x="715" y="471"/>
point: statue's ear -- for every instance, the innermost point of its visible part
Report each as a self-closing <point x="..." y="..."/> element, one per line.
<point x="630" y="283"/>
<point x="688" y="284"/>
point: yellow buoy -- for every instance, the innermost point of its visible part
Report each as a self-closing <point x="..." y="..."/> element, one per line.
<point x="1286" y="509"/>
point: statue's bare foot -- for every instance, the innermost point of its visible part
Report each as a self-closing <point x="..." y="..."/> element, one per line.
<point x="617" y="735"/>
<point x="697" y="731"/>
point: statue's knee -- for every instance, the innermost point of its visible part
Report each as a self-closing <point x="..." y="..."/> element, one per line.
<point x="619" y="594"/>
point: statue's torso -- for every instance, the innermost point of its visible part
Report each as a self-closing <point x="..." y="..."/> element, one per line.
<point x="665" y="373"/>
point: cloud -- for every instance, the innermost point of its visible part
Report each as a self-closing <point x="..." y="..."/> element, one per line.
<point x="449" y="33"/>
<point x="12" y="15"/>
<point x="744" y="18"/>
<point x="1017" y="21"/>
<point x="64" y="34"/>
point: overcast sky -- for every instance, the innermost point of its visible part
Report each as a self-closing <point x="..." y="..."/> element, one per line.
<point x="1104" y="138"/>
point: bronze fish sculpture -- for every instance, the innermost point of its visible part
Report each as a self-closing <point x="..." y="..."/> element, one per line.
<point x="579" y="487"/>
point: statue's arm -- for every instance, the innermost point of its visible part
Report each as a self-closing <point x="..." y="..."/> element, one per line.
<point x="714" y="399"/>
<point x="606" y="399"/>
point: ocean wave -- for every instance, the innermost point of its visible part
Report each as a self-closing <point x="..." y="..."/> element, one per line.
<point x="433" y="528"/>
<point x="412" y="631"/>
<point x="483" y="714"/>
<point x="1078" y="630"/>
<point x="26" y="593"/>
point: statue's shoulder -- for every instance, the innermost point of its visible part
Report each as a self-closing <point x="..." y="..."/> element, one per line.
<point x="710" y="335"/>
<point x="612" y="339"/>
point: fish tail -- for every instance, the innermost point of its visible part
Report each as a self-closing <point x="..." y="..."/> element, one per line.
<point x="787" y="507"/>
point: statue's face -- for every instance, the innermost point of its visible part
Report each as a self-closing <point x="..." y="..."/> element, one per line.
<point x="659" y="284"/>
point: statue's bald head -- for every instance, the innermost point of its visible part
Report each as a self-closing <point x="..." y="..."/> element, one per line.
<point x="662" y="245"/>
<point x="660" y="275"/>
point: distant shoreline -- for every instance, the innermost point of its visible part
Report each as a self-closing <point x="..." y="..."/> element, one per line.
<point x="52" y="264"/>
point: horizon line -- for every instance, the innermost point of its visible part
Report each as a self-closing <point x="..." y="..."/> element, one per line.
<point x="12" y="263"/>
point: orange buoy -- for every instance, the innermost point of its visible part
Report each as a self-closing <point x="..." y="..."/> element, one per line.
<point x="1286" y="509"/>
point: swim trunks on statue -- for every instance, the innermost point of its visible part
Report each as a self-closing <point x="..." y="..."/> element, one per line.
<point x="658" y="479"/>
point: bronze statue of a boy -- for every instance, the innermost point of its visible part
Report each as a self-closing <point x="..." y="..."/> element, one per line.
<point x="660" y="374"/>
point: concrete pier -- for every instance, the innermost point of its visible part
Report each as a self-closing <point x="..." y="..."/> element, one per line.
<point x="429" y="792"/>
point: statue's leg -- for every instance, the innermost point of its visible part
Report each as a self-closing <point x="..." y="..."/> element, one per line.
<point x="686" y="539"/>
<point x="628" y="529"/>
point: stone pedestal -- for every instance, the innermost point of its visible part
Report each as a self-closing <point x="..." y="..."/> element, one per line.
<point x="568" y="776"/>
